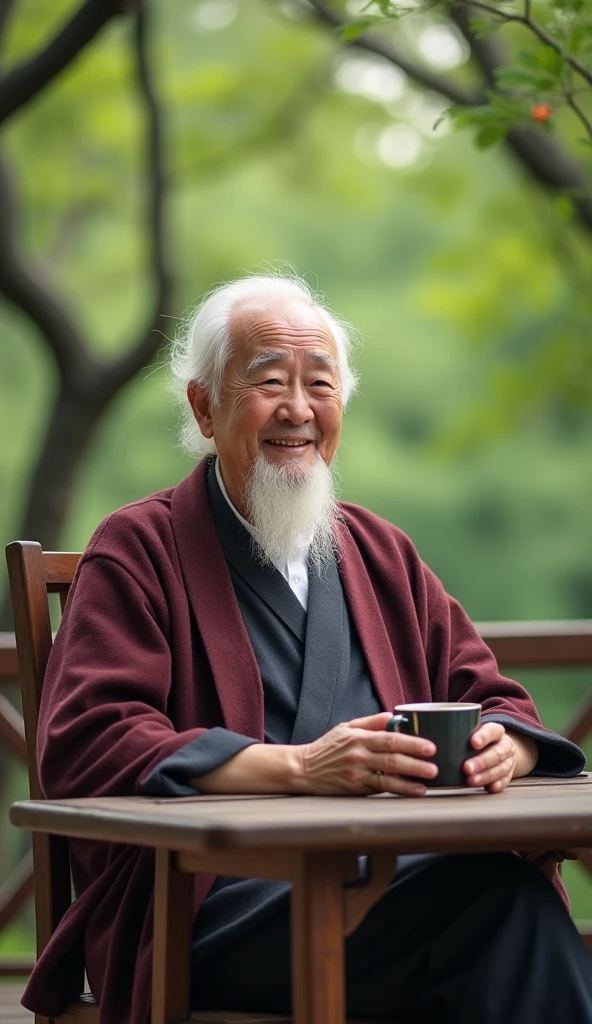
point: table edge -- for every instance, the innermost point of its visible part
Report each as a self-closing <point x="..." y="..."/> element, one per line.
<point x="567" y="827"/>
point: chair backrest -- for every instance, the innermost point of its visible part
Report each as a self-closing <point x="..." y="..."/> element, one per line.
<point x="33" y="574"/>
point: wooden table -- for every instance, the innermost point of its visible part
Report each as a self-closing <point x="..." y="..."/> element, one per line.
<point x="314" y="843"/>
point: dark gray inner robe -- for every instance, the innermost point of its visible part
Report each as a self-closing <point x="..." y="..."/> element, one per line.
<point x="314" y="676"/>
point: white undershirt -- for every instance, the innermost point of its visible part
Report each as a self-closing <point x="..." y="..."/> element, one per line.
<point x="295" y="572"/>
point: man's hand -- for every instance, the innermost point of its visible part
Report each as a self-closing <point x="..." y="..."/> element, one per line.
<point x="502" y="757"/>
<point x="360" y="757"/>
<point x="354" y="758"/>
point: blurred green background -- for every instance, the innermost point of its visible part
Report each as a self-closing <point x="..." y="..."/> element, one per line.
<point x="472" y="427"/>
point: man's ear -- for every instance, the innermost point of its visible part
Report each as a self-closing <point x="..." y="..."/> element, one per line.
<point x="200" y="406"/>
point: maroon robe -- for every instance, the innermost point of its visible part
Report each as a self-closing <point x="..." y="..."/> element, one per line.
<point x="146" y="659"/>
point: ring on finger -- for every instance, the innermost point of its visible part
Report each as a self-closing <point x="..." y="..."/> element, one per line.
<point x="378" y="774"/>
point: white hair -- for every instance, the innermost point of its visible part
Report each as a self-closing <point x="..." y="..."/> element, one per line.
<point x="201" y="350"/>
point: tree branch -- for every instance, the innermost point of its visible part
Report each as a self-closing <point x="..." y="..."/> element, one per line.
<point x="541" y="155"/>
<point x="26" y="289"/>
<point x="579" y="113"/>
<point x="420" y="75"/>
<point x="86" y="384"/>
<point x="122" y="369"/>
<point x="489" y="54"/>
<point x="552" y="168"/>
<point x="22" y="83"/>
<point x="544" y="37"/>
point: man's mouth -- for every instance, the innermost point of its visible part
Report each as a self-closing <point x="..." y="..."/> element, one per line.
<point x="290" y="444"/>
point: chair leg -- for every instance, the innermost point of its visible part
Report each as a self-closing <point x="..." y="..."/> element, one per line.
<point x="171" y="956"/>
<point x="318" y="983"/>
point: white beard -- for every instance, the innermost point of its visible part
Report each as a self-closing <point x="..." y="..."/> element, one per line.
<point x="291" y="508"/>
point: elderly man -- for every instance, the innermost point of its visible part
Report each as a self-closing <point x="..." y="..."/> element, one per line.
<point x="243" y="632"/>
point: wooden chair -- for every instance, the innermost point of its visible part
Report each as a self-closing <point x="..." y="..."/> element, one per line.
<point x="34" y="574"/>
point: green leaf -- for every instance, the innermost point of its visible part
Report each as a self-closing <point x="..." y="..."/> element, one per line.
<point x="549" y="59"/>
<point x="489" y="136"/>
<point x="569" y="5"/>
<point x="464" y="117"/>
<point x="354" y="29"/>
<point x="540" y="71"/>
<point x="482" y="29"/>
<point x="510" y="77"/>
<point x="579" y="36"/>
<point x="507" y="109"/>
<point x="477" y="117"/>
<point x="460" y="118"/>
<point x="526" y="59"/>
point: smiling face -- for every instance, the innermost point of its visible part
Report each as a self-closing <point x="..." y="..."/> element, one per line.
<point x="281" y="394"/>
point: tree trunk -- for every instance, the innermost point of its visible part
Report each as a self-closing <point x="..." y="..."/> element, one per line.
<point x="74" y="417"/>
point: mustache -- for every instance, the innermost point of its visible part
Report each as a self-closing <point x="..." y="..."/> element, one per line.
<point x="298" y="434"/>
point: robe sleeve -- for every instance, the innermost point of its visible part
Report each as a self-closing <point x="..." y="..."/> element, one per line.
<point x="103" y="723"/>
<point x="173" y="775"/>
<point x="461" y="664"/>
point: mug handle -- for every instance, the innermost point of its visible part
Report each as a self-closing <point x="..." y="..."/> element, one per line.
<point x="398" y="723"/>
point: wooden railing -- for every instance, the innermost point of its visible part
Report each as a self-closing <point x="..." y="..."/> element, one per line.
<point x="565" y="644"/>
<point x="546" y="645"/>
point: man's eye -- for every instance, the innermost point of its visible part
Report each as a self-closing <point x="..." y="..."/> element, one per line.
<point x="272" y="380"/>
<point x="322" y="384"/>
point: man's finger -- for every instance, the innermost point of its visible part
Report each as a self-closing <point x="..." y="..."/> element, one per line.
<point x="392" y="742"/>
<point x="500" y="784"/>
<point x="498" y="771"/>
<point x="374" y="722"/>
<point x="397" y="784"/>
<point x="492" y="755"/>
<point x="491" y="732"/>
<point x="401" y="764"/>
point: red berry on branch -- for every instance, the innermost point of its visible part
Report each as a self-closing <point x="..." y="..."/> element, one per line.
<point x="541" y="112"/>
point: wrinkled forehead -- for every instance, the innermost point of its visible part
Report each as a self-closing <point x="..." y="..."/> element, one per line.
<point x="271" y="324"/>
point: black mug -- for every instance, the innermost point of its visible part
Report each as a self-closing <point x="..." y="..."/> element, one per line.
<point x="449" y="727"/>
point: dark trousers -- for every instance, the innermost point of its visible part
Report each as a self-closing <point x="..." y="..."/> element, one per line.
<point x="481" y="939"/>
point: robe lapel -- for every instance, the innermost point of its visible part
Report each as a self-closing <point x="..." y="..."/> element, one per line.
<point x="322" y="656"/>
<point x="213" y="601"/>
<point x="369" y="623"/>
<point x="269" y="584"/>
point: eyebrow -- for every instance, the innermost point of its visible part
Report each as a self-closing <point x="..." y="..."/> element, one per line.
<point x="270" y="358"/>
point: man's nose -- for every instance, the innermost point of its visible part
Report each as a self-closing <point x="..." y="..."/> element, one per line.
<point x="295" y="406"/>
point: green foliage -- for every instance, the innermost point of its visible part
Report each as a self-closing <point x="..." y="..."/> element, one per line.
<point x="555" y="69"/>
<point x="351" y="31"/>
<point x="492" y="121"/>
<point x="483" y="29"/>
